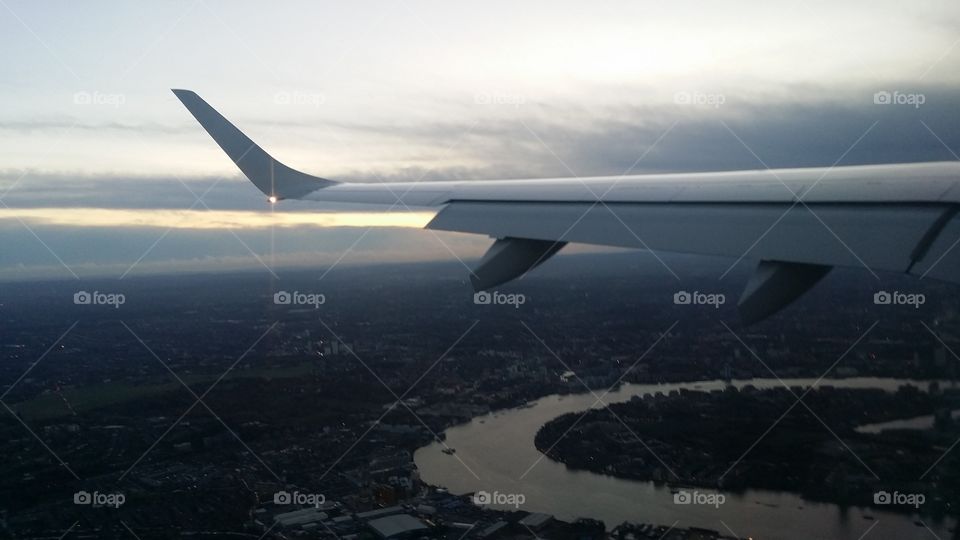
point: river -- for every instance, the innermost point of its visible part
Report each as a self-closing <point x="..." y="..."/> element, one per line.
<point x="496" y="452"/>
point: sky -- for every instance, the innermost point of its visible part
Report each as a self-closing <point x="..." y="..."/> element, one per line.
<point x="104" y="173"/>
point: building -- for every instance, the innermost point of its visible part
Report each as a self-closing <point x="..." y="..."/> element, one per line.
<point x="300" y="518"/>
<point x="398" y="527"/>
<point x="536" y="521"/>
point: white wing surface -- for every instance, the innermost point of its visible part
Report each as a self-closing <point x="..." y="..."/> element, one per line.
<point x="797" y="223"/>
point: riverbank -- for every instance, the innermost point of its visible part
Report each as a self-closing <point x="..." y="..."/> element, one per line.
<point x="762" y="439"/>
<point x="496" y="452"/>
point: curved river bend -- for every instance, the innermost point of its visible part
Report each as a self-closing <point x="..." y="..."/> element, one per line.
<point x="496" y="452"/>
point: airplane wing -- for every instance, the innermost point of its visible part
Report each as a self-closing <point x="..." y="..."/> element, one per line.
<point x="797" y="223"/>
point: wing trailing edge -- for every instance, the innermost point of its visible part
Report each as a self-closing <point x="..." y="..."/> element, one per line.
<point x="798" y="222"/>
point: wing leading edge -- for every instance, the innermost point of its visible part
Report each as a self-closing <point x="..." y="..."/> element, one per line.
<point x="798" y="223"/>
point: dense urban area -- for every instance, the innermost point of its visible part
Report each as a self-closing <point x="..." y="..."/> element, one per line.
<point x="207" y="405"/>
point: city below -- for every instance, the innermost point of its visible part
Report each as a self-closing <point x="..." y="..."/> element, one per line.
<point x="341" y="405"/>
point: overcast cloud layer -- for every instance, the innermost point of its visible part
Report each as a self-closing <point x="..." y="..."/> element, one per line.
<point x="426" y="91"/>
